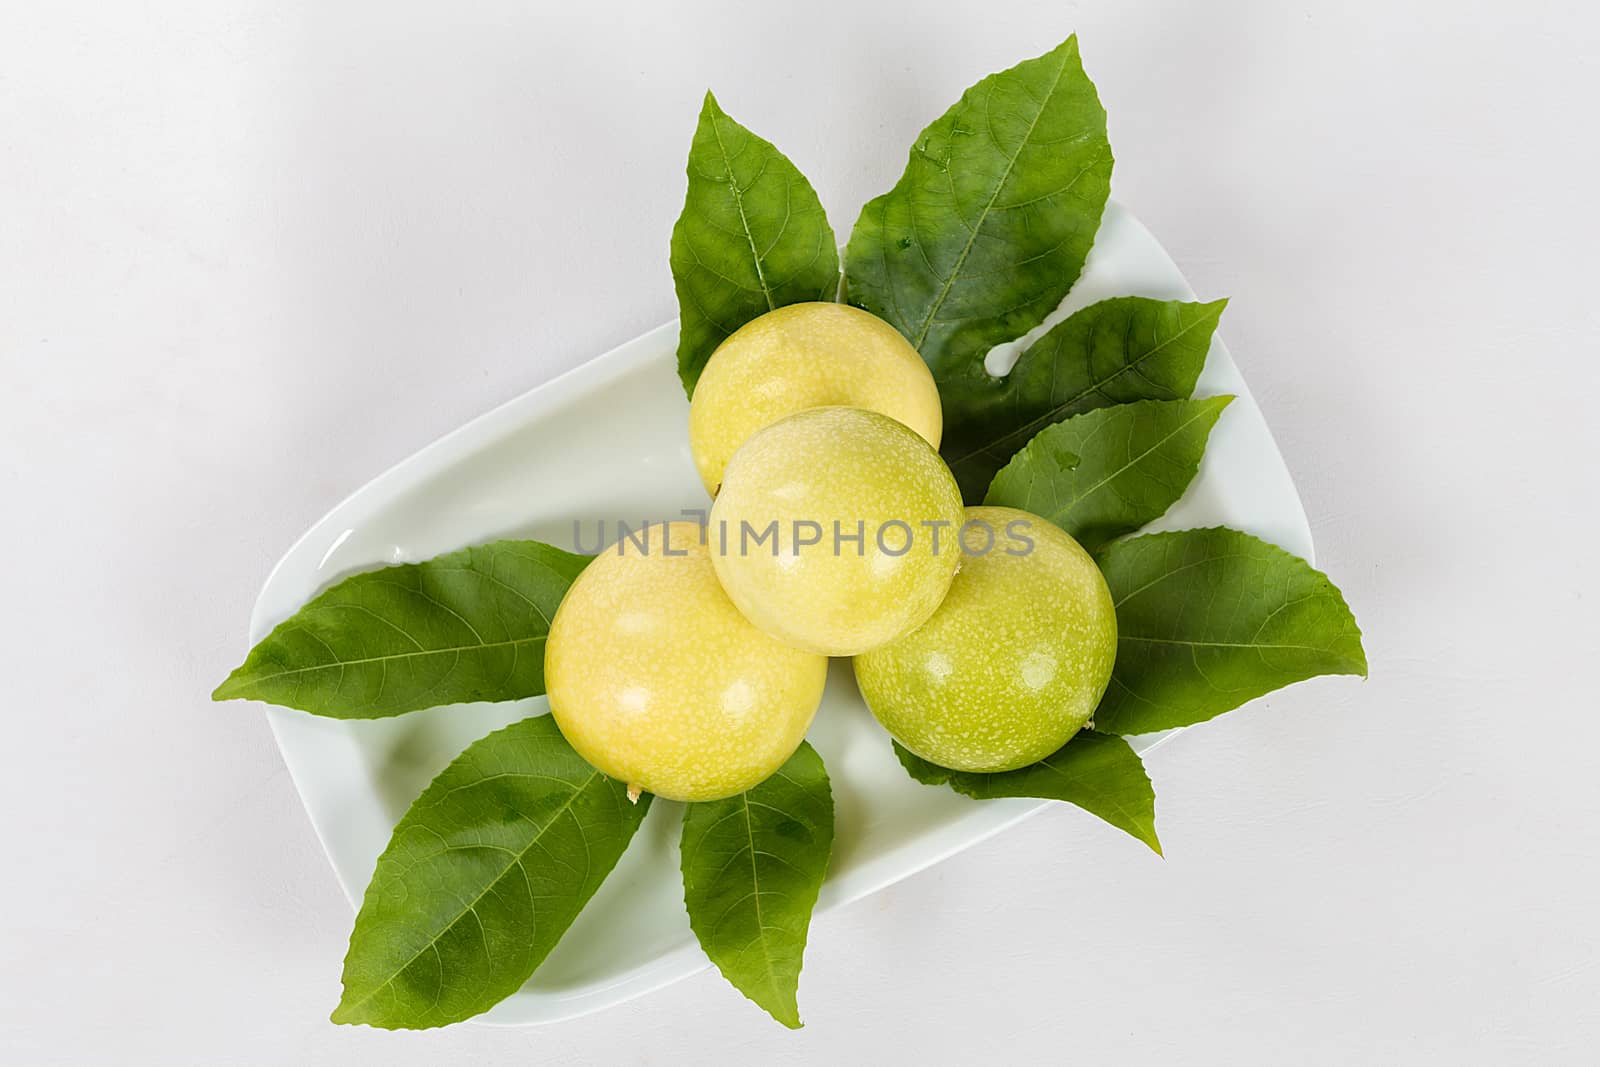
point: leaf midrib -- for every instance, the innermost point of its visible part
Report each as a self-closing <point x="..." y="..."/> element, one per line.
<point x="977" y="224"/>
<point x="1053" y="415"/>
<point x="744" y="221"/>
<point x="261" y="679"/>
<point x="1134" y="461"/>
<point x="755" y="886"/>
<point x="1224" y="644"/>
<point x="1175" y="571"/>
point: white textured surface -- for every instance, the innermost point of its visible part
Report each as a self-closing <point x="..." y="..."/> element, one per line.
<point x="251" y="254"/>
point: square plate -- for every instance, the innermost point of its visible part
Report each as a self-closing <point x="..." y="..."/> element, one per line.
<point x="608" y="441"/>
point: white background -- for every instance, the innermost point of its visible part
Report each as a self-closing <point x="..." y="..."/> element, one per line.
<point x="251" y="254"/>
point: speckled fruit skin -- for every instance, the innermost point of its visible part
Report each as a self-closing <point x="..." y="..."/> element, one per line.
<point x="806" y="356"/>
<point x="1011" y="665"/>
<point x="861" y="470"/>
<point x="656" y="679"/>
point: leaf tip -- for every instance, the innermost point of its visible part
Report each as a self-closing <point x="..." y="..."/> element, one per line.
<point x="784" y="1008"/>
<point x="229" y="689"/>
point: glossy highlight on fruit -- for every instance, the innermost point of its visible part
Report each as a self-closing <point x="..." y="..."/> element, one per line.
<point x="657" y="680"/>
<point x="1014" y="661"/>
<point x="834" y="530"/>
<point x="806" y="356"/>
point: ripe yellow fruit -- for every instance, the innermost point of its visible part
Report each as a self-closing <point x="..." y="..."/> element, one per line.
<point x="656" y="679"/>
<point x="835" y="530"/>
<point x="806" y="356"/>
<point x="1012" y="664"/>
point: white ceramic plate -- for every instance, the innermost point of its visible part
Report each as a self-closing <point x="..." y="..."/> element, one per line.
<point x="607" y="441"/>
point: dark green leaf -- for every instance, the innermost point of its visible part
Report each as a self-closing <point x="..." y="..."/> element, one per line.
<point x="752" y="237"/>
<point x="1099" y="773"/>
<point x="466" y="626"/>
<point x="1108" y="472"/>
<point x="482" y="877"/>
<point x="992" y="220"/>
<point x="1114" y="352"/>
<point x="752" y="866"/>
<point x="1209" y="619"/>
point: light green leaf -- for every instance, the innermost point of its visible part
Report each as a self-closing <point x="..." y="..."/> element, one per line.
<point x="752" y="237"/>
<point x="1108" y="472"/>
<point x="992" y="220"/>
<point x="1099" y="773"/>
<point x="1115" y="352"/>
<point x="1210" y="619"/>
<point x="461" y="627"/>
<point x="752" y="867"/>
<point x="481" y="878"/>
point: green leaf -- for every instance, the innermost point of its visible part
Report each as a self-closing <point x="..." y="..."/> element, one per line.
<point x="1209" y="619"/>
<point x="1114" y="352"/>
<point x="466" y="626"/>
<point x="1108" y="472"/>
<point x="1099" y="773"/>
<point x="992" y="220"/>
<point x="752" y="867"/>
<point x="481" y="878"/>
<point x="752" y="237"/>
